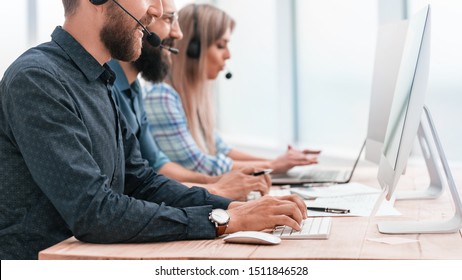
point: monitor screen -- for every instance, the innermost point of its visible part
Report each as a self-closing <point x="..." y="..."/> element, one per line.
<point x="408" y="101"/>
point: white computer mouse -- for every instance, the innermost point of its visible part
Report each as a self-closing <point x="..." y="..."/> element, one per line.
<point x="252" y="237"/>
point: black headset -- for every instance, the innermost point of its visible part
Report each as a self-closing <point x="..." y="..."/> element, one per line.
<point x="98" y="2"/>
<point x="194" y="46"/>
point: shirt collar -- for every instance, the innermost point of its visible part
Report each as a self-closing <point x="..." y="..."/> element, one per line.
<point x="108" y="76"/>
<point x="121" y="81"/>
<point x="87" y="64"/>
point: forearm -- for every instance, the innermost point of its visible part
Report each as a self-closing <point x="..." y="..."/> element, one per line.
<point x="242" y="156"/>
<point x="237" y="165"/>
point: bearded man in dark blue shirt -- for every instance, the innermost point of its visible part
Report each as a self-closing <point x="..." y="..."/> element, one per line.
<point x="69" y="165"/>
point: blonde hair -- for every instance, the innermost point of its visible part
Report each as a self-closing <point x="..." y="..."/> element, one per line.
<point x="188" y="75"/>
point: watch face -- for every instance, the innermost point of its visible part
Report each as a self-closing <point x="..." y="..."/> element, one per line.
<point x="220" y="216"/>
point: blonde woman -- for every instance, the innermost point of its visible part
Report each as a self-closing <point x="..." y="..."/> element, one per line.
<point x="181" y="111"/>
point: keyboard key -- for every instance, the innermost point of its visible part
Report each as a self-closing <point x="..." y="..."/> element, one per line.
<point x="312" y="228"/>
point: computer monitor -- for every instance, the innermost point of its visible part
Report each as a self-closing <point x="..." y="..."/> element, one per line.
<point x="391" y="41"/>
<point x="403" y="126"/>
<point x="408" y="102"/>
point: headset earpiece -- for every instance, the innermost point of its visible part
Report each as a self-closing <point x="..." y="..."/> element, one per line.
<point x="194" y="46"/>
<point x="98" y="2"/>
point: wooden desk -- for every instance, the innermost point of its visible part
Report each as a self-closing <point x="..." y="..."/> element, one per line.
<point x="348" y="240"/>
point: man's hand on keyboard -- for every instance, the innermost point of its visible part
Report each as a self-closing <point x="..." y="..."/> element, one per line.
<point x="266" y="213"/>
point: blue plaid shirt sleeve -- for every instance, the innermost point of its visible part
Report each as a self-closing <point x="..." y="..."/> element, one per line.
<point x="169" y="127"/>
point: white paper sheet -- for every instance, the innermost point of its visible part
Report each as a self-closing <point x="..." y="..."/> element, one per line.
<point x="359" y="205"/>
<point x="358" y="198"/>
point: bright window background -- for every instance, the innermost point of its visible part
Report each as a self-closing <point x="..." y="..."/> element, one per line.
<point x="336" y="44"/>
<point x="444" y="96"/>
<point x="252" y="104"/>
<point x="302" y="73"/>
<point x="13" y="29"/>
<point x="302" y="69"/>
<point x="22" y="27"/>
<point x="326" y="105"/>
<point x="49" y="15"/>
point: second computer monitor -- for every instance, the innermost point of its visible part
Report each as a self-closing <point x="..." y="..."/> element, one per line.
<point x="389" y="50"/>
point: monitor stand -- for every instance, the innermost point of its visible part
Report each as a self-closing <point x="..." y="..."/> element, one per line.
<point x="447" y="226"/>
<point x="435" y="189"/>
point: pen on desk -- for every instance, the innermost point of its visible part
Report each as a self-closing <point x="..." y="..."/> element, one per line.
<point x="329" y="210"/>
<point x="261" y="172"/>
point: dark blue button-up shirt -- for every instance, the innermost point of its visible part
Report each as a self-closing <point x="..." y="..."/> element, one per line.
<point x="70" y="166"/>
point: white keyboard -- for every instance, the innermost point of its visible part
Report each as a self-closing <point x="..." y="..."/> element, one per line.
<point x="312" y="228"/>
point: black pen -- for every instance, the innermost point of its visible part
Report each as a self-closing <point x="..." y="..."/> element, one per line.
<point x="329" y="210"/>
<point x="261" y="172"/>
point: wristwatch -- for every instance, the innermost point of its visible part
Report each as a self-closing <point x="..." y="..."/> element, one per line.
<point x="221" y="219"/>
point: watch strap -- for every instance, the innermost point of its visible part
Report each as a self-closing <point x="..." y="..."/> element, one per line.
<point x="220" y="229"/>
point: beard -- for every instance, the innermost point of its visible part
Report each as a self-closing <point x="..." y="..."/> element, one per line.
<point x="118" y="36"/>
<point x="153" y="63"/>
